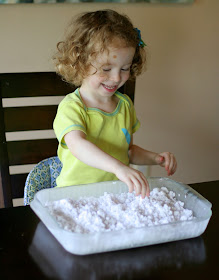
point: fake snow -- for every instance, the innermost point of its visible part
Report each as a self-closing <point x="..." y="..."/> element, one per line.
<point x="118" y="211"/>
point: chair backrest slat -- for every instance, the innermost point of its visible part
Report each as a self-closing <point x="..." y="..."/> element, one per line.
<point x="27" y="118"/>
<point x="33" y="84"/>
<point x="31" y="151"/>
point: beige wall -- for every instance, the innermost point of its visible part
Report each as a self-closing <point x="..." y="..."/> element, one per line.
<point x="177" y="99"/>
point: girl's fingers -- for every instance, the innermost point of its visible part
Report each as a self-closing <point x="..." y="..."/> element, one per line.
<point x="130" y="186"/>
<point x="146" y="191"/>
<point x="141" y="185"/>
<point x="169" y="163"/>
<point x="138" y="183"/>
<point x="135" y="180"/>
<point x="137" y="186"/>
<point x="172" y="166"/>
<point x="143" y="193"/>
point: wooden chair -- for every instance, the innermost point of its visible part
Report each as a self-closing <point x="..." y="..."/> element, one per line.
<point x="20" y="120"/>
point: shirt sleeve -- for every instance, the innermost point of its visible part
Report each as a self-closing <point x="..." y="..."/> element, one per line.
<point x="70" y="116"/>
<point x="135" y="122"/>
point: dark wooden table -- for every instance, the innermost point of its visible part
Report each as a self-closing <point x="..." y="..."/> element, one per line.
<point x="29" y="251"/>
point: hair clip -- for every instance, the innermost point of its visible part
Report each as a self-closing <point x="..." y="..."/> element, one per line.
<point x="141" y="42"/>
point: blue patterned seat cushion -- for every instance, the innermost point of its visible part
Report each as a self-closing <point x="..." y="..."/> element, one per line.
<point x="42" y="176"/>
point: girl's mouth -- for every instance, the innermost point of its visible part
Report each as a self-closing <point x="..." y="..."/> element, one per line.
<point x="110" y="88"/>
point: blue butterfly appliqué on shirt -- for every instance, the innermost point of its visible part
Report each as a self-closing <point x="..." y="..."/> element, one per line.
<point x="127" y="135"/>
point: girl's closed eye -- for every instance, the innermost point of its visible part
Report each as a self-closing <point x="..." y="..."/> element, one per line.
<point x="126" y="69"/>
<point x="123" y="69"/>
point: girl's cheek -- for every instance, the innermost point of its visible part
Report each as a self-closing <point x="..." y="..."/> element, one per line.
<point x="103" y="76"/>
<point x="126" y="76"/>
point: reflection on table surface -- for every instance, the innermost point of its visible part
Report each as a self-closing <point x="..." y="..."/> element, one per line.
<point x="56" y="262"/>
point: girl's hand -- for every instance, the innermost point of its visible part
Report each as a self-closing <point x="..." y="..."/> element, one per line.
<point x="168" y="161"/>
<point x="134" y="179"/>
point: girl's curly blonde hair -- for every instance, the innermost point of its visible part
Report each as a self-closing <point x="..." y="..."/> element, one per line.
<point x="91" y="34"/>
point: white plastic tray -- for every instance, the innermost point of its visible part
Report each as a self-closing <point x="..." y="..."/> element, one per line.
<point x="82" y="244"/>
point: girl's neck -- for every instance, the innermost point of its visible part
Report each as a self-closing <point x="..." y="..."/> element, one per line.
<point x="106" y="104"/>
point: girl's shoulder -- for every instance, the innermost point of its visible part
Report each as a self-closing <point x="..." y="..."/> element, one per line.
<point x="72" y="99"/>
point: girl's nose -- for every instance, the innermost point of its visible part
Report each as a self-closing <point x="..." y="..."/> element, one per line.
<point x="115" y="77"/>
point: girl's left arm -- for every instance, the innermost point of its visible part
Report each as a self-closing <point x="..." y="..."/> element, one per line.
<point x="140" y="156"/>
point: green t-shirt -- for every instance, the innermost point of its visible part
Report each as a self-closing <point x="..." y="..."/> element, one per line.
<point x="111" y="132"/>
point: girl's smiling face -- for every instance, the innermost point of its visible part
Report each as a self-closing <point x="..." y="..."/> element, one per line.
<point x="109" y="71"/>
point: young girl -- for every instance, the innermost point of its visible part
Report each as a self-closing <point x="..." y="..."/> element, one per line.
<point x="95" y="124"/>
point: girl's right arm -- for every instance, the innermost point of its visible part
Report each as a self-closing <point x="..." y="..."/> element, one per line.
<point x="90" y="154"/>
